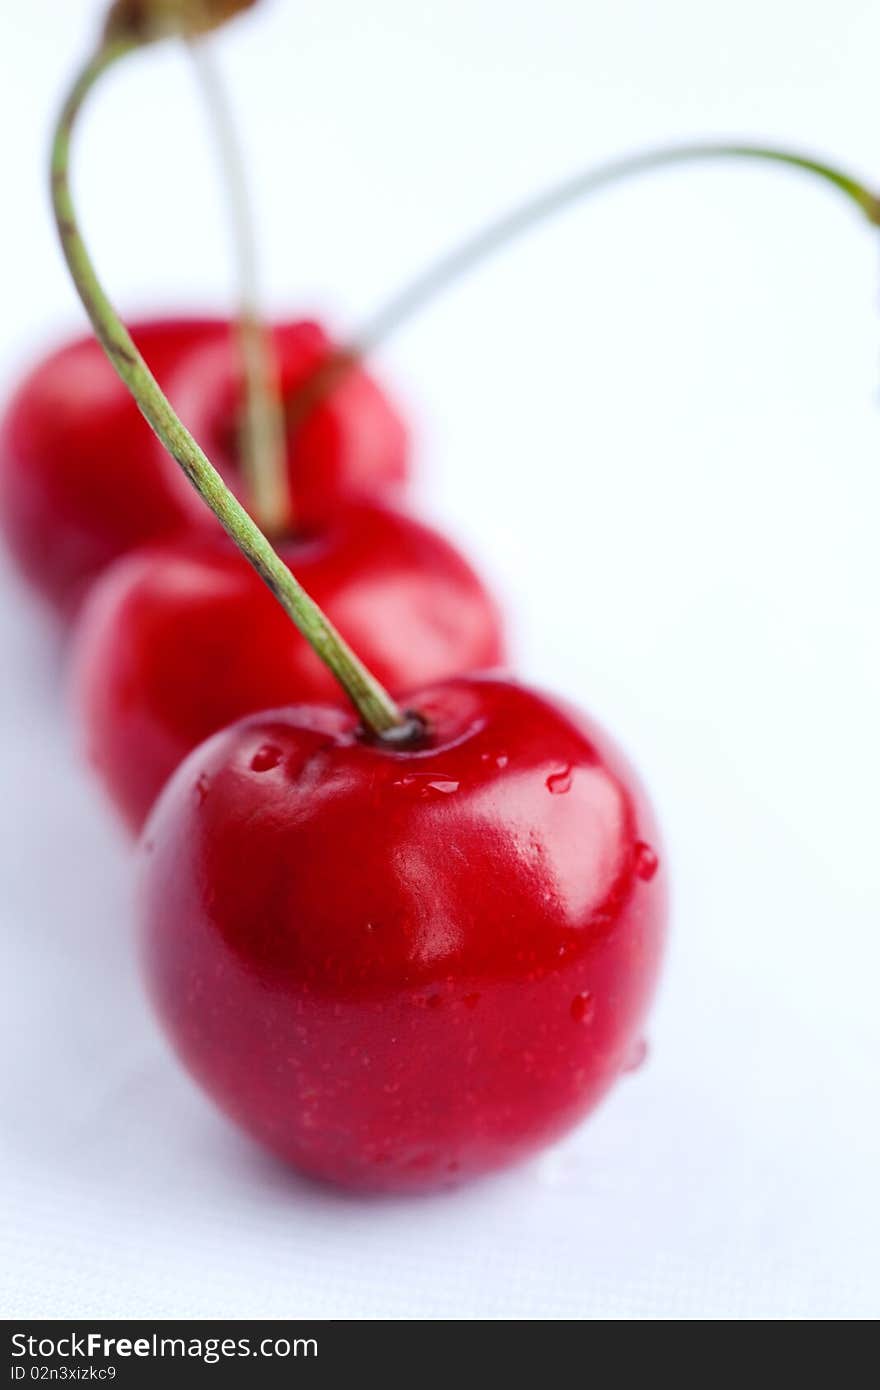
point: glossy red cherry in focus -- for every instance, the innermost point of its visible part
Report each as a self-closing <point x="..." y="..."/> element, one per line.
<point x="175" y="641"/>
<point x="398" y="969"/>
<point x="81" y="480"/>
<point x="342" y="443"/>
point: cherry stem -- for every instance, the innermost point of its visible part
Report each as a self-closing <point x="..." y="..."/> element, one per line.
<point x="263" y="440"/>
<point x="522" y="218"/>
<point x="375" y="706"/>
<point x="429" y="283"/>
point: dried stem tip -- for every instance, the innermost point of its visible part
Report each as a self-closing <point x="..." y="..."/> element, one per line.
<point x="143" y="21"/>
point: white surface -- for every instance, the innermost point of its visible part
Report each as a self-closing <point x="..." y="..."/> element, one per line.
<point x="662" y="415"/>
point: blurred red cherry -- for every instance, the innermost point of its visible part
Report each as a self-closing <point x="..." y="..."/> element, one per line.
<point x="81" y="479"/>
<point x="343" y="442"/>
<point x="177" y="640"/>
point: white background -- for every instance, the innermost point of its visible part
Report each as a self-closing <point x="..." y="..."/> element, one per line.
<point x="656" y="425"/>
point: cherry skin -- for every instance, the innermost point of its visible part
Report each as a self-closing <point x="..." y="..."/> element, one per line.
<point x="177" y="640"/>
<point x="401" y="968"/>
<point x="80" y="478"/>
<point x="344" y="443"/>
<point x="83" y="479"/>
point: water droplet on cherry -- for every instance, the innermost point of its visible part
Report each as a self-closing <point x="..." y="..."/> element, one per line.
<point x="447" y="787"/>
<point x="266" y="757"/>
<point x="647" y="862"/>
<point x="583" y="1007"/>
<point x="637" y="1055"/>
<point x="201" y="788"/>
<point x="558" y="783"/>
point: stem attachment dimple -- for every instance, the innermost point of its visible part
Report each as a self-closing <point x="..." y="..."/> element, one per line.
<point x="372" y="702"/>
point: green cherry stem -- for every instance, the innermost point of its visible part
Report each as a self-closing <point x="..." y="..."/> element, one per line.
<point x="417" y="293"/>
<point x="375" y="706"/>
<point x="263" y="442"/>
<point x="262" y="425"/>
<point x="425" y="286"/>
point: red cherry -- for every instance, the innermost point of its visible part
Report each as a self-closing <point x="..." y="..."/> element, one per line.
<point x="399" y="968"/>
<point x="178" y="640"/>
<point x="349" y="443"/>
<point x="81" y="480"/>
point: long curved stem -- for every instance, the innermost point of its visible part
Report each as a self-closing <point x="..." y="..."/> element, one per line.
<point x="262" y="427"/>
<point x="425" y="286"/>
<point x="373" y="703"/>
<point x="414" y="296"/>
